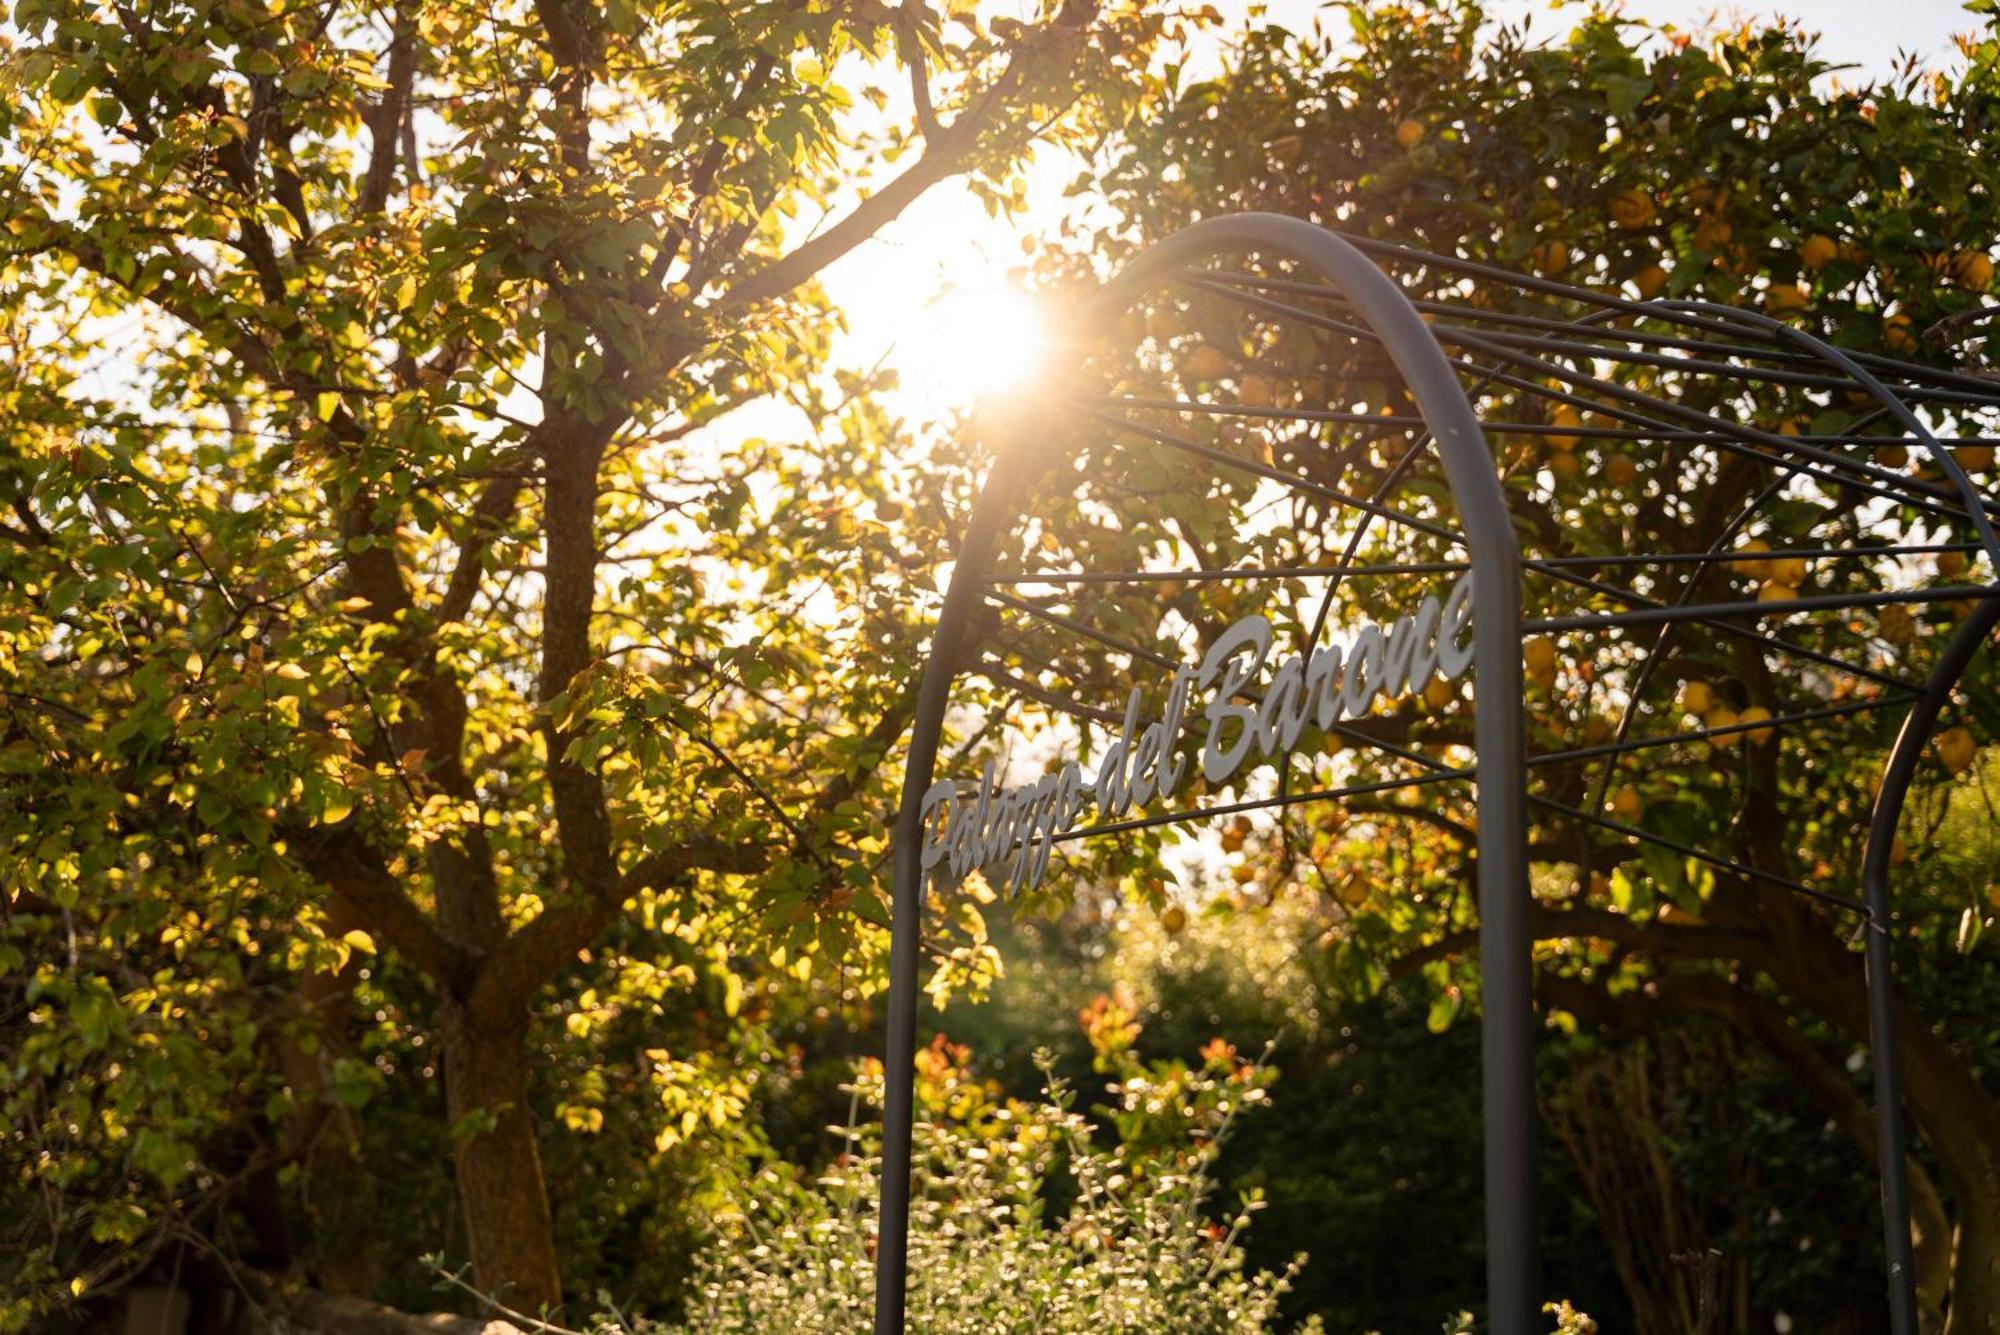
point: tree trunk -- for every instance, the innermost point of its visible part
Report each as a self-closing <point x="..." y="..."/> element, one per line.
<point x="499" y="1168"/>
<point x="319" y="1134"/>
<point x="1975" y="1280"/>
<point x="1948" y="1106"/>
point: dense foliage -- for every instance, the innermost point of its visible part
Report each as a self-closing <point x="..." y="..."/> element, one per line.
<point x="443" y="755"/>
<point x="1022" y="1218"/>
<point x="410" y="681"/>
<point x="1736" y="168"/>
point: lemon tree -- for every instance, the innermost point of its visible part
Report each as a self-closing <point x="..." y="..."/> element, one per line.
<point x="1736" y="168"/>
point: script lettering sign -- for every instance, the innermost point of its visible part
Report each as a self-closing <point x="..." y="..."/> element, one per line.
<point x="1012" y="831"/>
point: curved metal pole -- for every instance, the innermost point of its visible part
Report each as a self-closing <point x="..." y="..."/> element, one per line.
<point x="1884" y="1046"/>
<point x="1975" y="505"/>
<point x="1016" y="463"/>
<point x="1507" y="1022"/>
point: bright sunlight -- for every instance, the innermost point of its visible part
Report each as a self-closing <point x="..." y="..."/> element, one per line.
<point x="973" y="339"/>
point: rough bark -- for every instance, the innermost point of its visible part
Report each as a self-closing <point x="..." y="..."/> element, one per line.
<point x="319" y="1133"/>
<point x="1769" y="933"/>
<point x="498" y="1163"/>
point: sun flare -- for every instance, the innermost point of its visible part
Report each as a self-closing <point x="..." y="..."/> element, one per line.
<point x="974" y="340"/>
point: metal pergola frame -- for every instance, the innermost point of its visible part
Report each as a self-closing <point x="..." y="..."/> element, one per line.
<point x="1435" y="347"/>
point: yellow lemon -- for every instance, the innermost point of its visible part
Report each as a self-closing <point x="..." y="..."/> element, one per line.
<point x="1697" y="698"/>
<point x="1563" y="416"/>
<point x="1785" y="298"/>
<point x="1896" y="624"/>
<point x="1776" y="592"/>
<point x="1757" y="714"/>
<point x="1207" y="363"/>
<point x="1956" y="750"/>
<point x="1754" y="567"/>
<point x="1632" y="208"/>
<point x="1788" y="570"/>
<point x="1721" y="717"/>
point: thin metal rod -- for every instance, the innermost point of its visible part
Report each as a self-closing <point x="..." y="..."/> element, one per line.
<point x="1075" y="627"/>
<point x="1588" y="431"/>
<point x="1648" y="310"/>
<point x="1689" y="850"/>
<point x="1743" y="439"/>
<point x="1692" y="365"/>
<point x="1653" y="616"/>
<point x="1704" y="734"/>
<point x="1228" y="460"/>
<point x="1598" y="328"/>
<point x="1261" y="803"/>
<point x="1000" y="676"/>
<point x="1699" y="615"/>
<point x="1388" y="482"/>
<point x="1836" y="469"/>
<point x="1883" y="1039"/>
<point x="1656" y="654"/>
<point x="1982" y="390"/>
<point x="1728" y="557"/>
<point x="1891" y="402"/>
<point x="1237" y="572"/>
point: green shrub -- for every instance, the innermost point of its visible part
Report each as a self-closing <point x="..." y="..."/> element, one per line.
<point x="1023" y="1219"/>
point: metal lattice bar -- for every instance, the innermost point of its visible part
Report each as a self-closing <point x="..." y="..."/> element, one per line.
<point x="1837" y="602"/>
<point x="1669" y="435"/>
<point x="1624" y="748"/>
<point x="1712" y="859"/>
<point x="1980" y="394"/>
<point x="1282" y="800"/>
<point x="1320" y="489"/>
<point x="1884" y="483"/>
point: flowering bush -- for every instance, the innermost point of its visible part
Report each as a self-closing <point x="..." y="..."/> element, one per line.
<point x="1022" y="1219"/>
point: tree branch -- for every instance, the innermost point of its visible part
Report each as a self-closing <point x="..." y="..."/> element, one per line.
<point x="339" y="858"/>
<point x="1766" y="1024"/>
<point x="385" y="119"/>
<point x="1693" y="941"/>
<point x="946" y="154"/>
<point x="533" y="954"/>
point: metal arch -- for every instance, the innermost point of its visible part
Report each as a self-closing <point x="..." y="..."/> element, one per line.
<point x="1918" y="725"/>
<point x="1885" y="1048"/>
<point x="1975" y="505"/>
<point x="1507" y="1020"/>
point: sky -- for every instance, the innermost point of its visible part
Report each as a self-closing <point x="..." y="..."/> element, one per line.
<point x="929" y="293"/>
